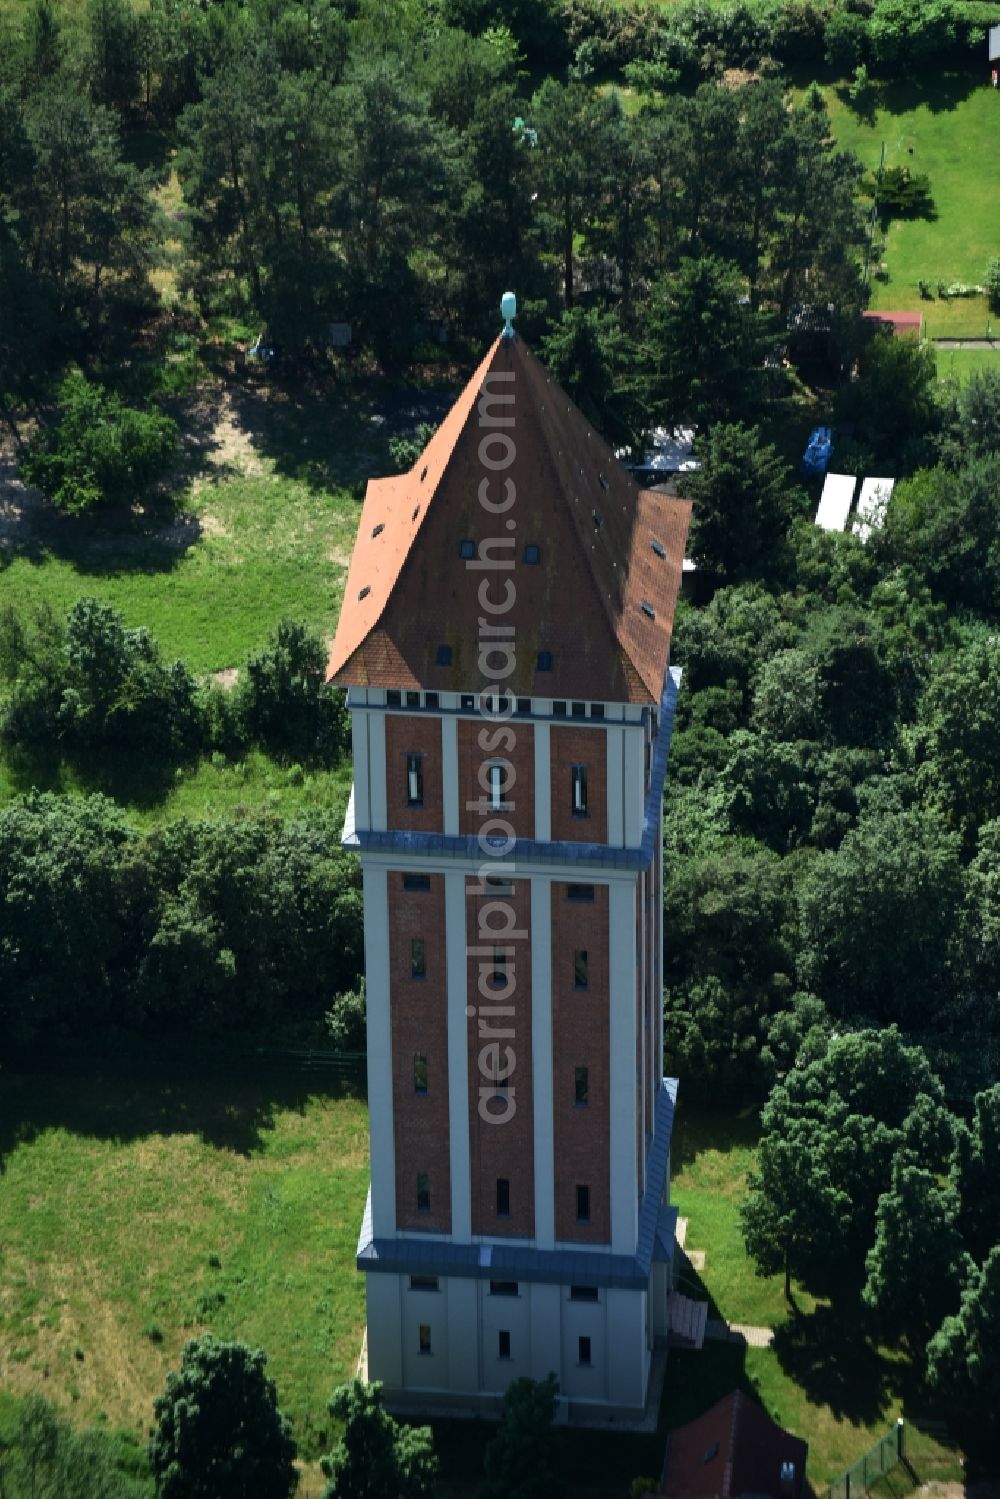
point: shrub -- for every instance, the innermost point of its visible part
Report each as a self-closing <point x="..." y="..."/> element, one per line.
<point x="904" y="194"/>
<point x="99" y="451"/>
<point x="993" y="285"/>
<point x="846" y="40"/>
<point x="219" y="1433"/>
<point x="908" y="32"/>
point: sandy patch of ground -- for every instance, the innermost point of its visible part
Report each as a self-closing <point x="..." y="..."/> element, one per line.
<point x="227" y="678"/>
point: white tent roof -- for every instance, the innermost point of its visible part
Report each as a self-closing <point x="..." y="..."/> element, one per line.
<point x="872" y="504"/>
<point x="835" y="502"/>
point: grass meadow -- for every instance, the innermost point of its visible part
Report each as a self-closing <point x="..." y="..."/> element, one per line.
<point x="139" y="1211"/>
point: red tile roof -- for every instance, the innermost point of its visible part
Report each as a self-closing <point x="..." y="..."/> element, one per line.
<point x="733" y="1449"/>
<point x="601" y="599"/>
<point x="899" y="322"/>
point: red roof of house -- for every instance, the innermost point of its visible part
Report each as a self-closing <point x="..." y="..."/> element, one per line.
<point x="908" y="322"/>
<point x="600" y="600"/>
<point x="734" y="1449"/>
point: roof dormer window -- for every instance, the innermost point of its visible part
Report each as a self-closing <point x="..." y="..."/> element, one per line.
<point x="444" y="655"/>
<point x="466" y="549"/>
<point x="532" y="554"/>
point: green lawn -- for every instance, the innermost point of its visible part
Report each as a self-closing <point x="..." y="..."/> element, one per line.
<point x="946" y="125"/>
<point x="211" y="789"/>
<point x="959" y="364"/>
<point x="136" y="1213"/>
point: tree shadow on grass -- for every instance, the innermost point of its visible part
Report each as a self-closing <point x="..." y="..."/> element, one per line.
<point x="130" y="778"/>
<point x="699" y="1129"/>
<point x="938" y="92"/>
<point x="830" y="1355"/>
<point x="128" y="1098"/>
<point x="329" y="433"/>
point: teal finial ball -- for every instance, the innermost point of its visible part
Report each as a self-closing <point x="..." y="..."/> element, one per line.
<point x="508" y="311"/>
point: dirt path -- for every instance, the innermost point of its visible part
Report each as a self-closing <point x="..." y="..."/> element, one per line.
<point x="967" y="343"/>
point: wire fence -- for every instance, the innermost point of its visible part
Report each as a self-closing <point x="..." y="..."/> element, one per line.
<point x="877" y="1461"/>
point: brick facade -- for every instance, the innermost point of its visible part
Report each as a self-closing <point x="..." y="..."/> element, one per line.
<point x="571" y="746"/>
<point x="413" y="734"/>
<point x="581" y="1038"/>
<point x="419" y="1013"/>
<point x="501" y="1150"/>
<point x="513" y="741"/>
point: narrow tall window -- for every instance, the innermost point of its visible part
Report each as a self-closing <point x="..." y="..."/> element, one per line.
<point x="579" y="774"/>
<point x="584" y="1350"/>
<point x="414" y="780"/>
<point x="503" y="1197"/>
<point x="583" y="1204"/>
<point x="581" y="969"/>
<point x="425" y="1339"/>
<point x="499" y="967"/>
<point x="419" y="1073"/>
<point x="496" y="790"/>
<point x="582" y="1085"/>
<point x="504" y="1342"/>
<point x="424" y="1192"/>
<point x="418" y="958"/>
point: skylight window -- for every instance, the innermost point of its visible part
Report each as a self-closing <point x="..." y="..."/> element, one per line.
<point x="444" y="655"/>
<point x="532" y="553"/>
<point x="466" y="549"/>
<point x="595" y="516"/>
<point x="659" y="548"/>
<point x="364" y="592"/>
<point x="544" y="660"/>
<point x="377" y="530"/>
<point x="648" y="609"/>
<point x="415" y="513"/>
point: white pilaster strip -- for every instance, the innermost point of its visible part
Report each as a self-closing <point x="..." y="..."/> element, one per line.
<point x="380" y="1122"/>
<point x="458" y="1057"/>
<point x="362" y="790"/>
<point x="543" y="784"/>
<point x="541" y="1053"/>
<point x="449" y="774"/>
<point x="624" y="1100"/>
<point x="376" y="764"/>
<point x="616" y="787"/>
<point x="635" y="784"/>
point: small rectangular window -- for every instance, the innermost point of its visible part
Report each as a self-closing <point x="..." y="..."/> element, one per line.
<point x="579" y="785"/>
<point x="524" y="705"/>
<point x="393" y="698"/>
<point x="559" y="709"/>
<point x="580" y="893"/>
<point x="414" y="780"/>
<point x="597" y="710"/>
<point x="503" y="1197"/>
<point x="466" y="549"/>
<point x="581" y="1084"/>
<point x="419" y="1073"/>
<point x="581" y="969"/>
<point x="431" y="700"/>
<point x="423" y="1282"/>
<point x="499" y="978"/>
<point x="424" y="1192"/>
<point x="413" y="699"/>
<point x="496" y="787"/>
<point x="544" y="660"/>
<point x="584" y="1347"/>
<point x="444" y="655"/>
<point x="583" y="1293"/>
<point x="579" y="710"/>
<point x="468" y="701"/>
<point x="504" y="1342"/>
<point x="418" y="958"/>
<point x="503" y="1287"/>
<point x="425" y="1339"/>
<point x="583" y="1204"/>
<point x="496" y="886"/>
<point x="416" y="882"/>
<point x="532" y="554"/>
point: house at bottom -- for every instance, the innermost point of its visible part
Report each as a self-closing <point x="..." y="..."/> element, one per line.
<point x="733" y="1451"/>
<point x="505" y="645"/>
